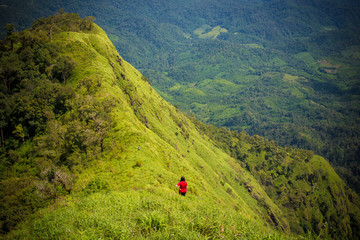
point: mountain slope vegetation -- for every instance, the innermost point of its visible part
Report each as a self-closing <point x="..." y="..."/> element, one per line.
<point x="90" y="150"/>
<point x="283" y="70"/>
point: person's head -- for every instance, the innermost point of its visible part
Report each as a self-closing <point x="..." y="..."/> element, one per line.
<point x="182" y="179"/>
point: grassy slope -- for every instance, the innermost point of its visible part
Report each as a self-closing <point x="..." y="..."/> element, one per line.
<point x="134" y="193"/>
<point x="269" y="37"/>
<point x="144" y="180"/>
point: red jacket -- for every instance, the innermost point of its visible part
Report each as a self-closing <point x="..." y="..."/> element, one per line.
<point x="183" y="186"/>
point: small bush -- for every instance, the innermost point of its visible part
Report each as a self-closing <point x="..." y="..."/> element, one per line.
<point x="96" y="185"/>
<point x="138" y="163"/>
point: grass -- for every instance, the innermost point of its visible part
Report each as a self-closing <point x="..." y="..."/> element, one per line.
<point x="289" y="78"/>
<point x="306" y="57"/>
<point x="212" y="34"/>
<point x="147" y="214"/>
<point x="127" y="191"/>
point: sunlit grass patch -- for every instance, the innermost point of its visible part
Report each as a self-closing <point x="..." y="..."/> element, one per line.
<point x="203" y="32"/>
<point x="306" y="57"/>
<point x="289" y="78"/>
<point x="253" y="45"/>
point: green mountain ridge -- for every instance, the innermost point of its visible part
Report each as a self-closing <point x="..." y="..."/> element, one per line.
<point x="91" y="150"/>
<point x="315" y="43"/>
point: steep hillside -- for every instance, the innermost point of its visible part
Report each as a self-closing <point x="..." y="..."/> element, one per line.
<point x="283" y="70"/>
<point x="90" y="150"/>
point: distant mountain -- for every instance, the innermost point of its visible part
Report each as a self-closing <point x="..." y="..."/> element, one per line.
<point x="285" y="70"/>
<point x="90" y="150"/>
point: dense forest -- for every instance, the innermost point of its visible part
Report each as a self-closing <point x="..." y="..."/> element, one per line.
<point x="283" y="70"/>
<point x="90" y="150"/>
<point x="33" y="97"/>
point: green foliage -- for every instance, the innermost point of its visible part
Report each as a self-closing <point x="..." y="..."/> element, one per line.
<point x="96" y="185"/>
<point x="19" y="199"/>
<point x="34" y="103"/>
<point x="63" y="22"/>
<point x="99" y="154"/>
<point x="299" y="182"/>
<point x="316" y="44"/>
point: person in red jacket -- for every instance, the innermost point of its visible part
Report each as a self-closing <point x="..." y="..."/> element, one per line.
<point x="182" y="186"/>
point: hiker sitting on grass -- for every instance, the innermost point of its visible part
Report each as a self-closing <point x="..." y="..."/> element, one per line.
<point x="182" y="186"/>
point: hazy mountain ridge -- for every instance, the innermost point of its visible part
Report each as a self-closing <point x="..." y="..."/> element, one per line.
<point x="89" y="137"/>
